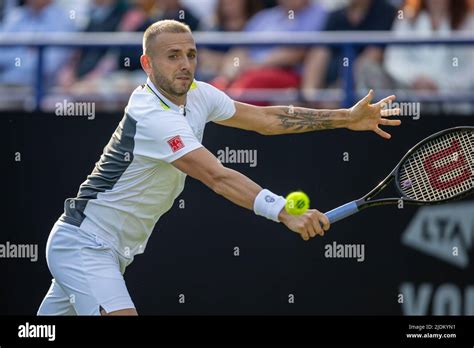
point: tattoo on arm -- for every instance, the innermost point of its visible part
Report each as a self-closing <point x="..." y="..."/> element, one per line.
<point x="299" y="119"/>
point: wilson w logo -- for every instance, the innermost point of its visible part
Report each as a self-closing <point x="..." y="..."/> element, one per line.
<point x="455" y="161"/>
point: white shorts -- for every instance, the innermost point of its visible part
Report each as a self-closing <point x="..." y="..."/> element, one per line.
<point x="87" y="274"/>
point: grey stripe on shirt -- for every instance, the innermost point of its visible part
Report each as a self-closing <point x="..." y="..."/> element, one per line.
<point x="115" y="159"/>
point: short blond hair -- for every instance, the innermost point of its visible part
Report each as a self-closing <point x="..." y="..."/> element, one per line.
<point x="163" y="26"/>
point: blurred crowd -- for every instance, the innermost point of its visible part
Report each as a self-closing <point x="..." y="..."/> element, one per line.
<point x="92" y="71"/>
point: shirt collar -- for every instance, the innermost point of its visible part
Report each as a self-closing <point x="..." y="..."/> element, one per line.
<point x="165" y="102"/>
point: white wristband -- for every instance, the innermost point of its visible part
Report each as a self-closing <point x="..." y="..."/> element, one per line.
<point x="268" y="204"/>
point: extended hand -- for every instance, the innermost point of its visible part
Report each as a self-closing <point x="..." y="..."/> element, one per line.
<point x="364" y="116"/>
<point x="307" y="225"/>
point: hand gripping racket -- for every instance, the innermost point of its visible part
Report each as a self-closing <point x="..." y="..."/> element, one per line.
<point x="438" y="169"/>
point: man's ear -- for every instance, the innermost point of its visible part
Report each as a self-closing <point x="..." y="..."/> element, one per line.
<point x="146" y="63"/>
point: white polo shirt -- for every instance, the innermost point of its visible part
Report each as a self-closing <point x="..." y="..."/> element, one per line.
<point x="133" y="184"/>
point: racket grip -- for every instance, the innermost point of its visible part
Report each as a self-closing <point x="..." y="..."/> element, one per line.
<point x="342" y="212"/>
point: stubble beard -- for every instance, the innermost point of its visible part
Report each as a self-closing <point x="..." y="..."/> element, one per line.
<point x="166" y="85"/>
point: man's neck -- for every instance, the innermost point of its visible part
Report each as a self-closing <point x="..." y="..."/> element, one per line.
<point x="177" y="100"/>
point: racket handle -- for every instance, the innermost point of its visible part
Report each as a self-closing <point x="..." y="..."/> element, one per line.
<point x="342" y="212"/>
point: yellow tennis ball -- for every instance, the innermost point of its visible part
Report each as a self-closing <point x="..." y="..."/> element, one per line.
<point x="297" y="203"/>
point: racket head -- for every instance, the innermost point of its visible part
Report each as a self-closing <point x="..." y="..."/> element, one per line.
<point x="439" y="168"/>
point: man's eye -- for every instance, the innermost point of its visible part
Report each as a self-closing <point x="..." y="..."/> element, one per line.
<point x="174" y="56"/>
<point x="192" y="55"/>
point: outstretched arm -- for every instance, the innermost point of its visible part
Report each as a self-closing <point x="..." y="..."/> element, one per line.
<point x="274" y="120"/>
<point x="239" y="189"/>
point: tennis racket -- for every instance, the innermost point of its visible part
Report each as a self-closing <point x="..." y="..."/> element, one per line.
<point x="438" y="169"/>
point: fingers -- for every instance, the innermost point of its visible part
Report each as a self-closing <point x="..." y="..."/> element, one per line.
<point x="313" y="223"/>
<point x="323" y="219"/>
<point x="386" y="100"/>
<point x="306" y="228"/>
<point x="385" y="122"/>
<point x="368" y="98"/>
<point x="304" y="235"/>
<point x="312" y="230"/>
<point x="316" y="225"/>
<point x="389" y="112"/>
<point x="382" y="133"/>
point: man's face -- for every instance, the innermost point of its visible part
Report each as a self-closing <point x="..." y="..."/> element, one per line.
<point x="173" y="62"/>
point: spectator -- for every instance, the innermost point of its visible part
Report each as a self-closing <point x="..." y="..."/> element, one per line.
<point x="115" y="65"/>
<point x="5" y="7"/>
<point x="271" y="67"/>
<point x="18" y="64"/>
<point x="233" y="15"/>
<point x="201" y="9"/>
<point x="118" y="60"/>
<point x="323" y="65"/>
<point x="230" y="15"/>
<point x="173" y="9"/>
<point x="428" y="67"/>
<point x="78" y="11"/>
<point x="142" y="15"/>
<point x="105" y="16"/>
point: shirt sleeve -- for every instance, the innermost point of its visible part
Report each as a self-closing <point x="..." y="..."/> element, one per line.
<point x="165" y="136"/>
<point x="221" y="106"/>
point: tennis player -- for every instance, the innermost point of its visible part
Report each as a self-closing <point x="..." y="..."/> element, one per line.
<point x="144" y="166"/>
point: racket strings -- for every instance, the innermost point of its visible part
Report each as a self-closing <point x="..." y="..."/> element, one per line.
<point x="440" y="169"/>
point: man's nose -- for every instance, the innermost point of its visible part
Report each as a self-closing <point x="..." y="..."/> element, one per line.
<point x="185" y="65"/>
